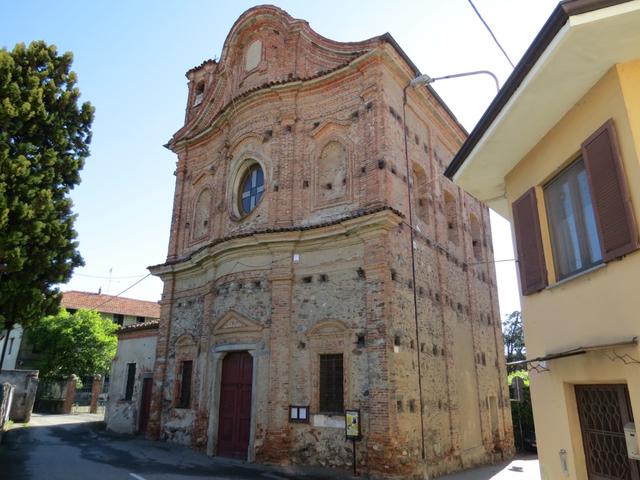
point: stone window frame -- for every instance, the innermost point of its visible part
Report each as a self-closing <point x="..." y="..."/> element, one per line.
<point x="325" y="338"/>
<point x="194" y="207"/>
<point x="318" y="204"/>
<point x="186" y="349"/>
<point x="251" y="188"/>
<point x="239" y="167"/>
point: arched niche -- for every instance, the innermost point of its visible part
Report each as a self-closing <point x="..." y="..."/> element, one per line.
<point x="420" y="185"/>
<point x="253" y="55"/>
<point x="332" y="173"/>
<point x="202" y="214"/>
<point x="451" y="213"/>
<point x="476" y="236"/>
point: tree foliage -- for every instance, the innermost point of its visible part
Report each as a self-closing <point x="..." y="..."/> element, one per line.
<point x="513" y="337"/>
<point x="83" y="344"/>
<point x="44" y="139"/>
<point x="522" y="412"/>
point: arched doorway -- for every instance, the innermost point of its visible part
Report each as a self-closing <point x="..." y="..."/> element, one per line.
<point x="234" y="424"/>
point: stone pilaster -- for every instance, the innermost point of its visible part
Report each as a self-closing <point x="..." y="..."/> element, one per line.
<point x="378" y="408"/>
<point x="276" y="444"/>
<point x="176" y="218"/>
<point x="154" y="426"/>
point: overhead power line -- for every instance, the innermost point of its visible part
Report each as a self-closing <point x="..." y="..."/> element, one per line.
<point x="107" y="278"/>
<point x="491" y="33"/>
<point x="123" y="291"/>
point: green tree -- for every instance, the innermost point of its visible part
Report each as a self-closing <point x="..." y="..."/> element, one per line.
<point x="83" y="344"/>
<point x="513" y="337"/>
<point x="522" y="412"/>
<point x="44" y="139"/>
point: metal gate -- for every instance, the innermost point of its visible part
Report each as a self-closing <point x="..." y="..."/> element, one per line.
<point x="603" y="411"/>
<point x="83" y="394"/>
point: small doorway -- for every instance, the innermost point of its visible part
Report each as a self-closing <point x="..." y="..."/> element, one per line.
<point x="145" y="404"/>
<point x="603" y="410"/>
<point x="234" y="421"/>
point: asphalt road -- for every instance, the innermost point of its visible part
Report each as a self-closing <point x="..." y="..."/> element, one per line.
<point x="524" y="467"/>
<point x="69" y="447"/>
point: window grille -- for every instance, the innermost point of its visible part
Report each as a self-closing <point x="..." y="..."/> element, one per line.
<point x="331" y="384"/>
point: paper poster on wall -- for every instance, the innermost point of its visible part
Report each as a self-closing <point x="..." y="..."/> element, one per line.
<point x="352" y="423"/>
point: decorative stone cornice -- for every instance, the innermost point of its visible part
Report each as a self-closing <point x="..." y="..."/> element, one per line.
<point x="359" y="223"/>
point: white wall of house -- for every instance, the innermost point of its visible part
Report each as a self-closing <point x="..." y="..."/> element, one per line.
<point x="122" y="415"/>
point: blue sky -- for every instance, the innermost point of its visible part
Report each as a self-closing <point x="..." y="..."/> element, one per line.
<point x="131" y="56"/>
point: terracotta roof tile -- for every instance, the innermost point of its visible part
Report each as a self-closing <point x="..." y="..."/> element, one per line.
<point x="110" y="304"/>
<point x="201" y="66"/>
<point x="136" y="327"/>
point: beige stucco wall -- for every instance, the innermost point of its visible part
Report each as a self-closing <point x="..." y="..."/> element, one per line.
<point x="597" y="307"/>
<point x="140" y="348"/>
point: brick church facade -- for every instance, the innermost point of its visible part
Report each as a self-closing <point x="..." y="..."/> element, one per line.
<point x="319" y="261"/>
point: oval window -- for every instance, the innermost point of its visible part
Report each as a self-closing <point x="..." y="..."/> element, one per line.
<point x="253" y="56"/>
<point x="251" y="189"/>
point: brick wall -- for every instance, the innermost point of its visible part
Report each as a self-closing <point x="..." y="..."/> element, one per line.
<point x="318" y="268"/>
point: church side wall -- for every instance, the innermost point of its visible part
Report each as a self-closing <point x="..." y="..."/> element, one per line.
<point x="466" y="414"/>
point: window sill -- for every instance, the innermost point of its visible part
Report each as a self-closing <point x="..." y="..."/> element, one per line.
<point x="577" y="275"/>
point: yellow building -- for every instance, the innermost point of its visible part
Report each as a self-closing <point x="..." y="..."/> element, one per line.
<point x="558" y="153"/>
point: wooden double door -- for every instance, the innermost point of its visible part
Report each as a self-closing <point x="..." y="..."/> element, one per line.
<point x="603" y="411"/>
<point x="234" y="420"/>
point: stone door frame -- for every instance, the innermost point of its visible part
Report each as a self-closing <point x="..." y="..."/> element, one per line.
<point x="216" y="356"/>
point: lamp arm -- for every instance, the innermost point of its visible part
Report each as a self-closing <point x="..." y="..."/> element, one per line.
<point x="466" y="74"/>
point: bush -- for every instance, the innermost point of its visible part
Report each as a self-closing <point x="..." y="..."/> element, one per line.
<point x="82" y="344"/>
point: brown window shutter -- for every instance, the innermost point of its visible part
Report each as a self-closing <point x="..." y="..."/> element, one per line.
<point x="614" y="216"/>
<point x="533" y="270"/>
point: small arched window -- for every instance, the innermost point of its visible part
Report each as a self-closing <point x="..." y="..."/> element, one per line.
<point x="251" y="189"/>
<point x="197" y="100"/>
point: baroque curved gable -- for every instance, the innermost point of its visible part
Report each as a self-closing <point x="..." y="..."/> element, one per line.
<point x="289" y="51"/>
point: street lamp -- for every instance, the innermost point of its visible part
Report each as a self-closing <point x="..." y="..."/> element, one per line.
<point x="427" y="80"/>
